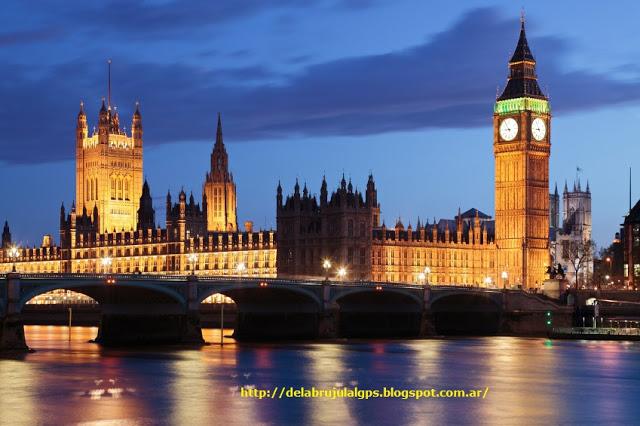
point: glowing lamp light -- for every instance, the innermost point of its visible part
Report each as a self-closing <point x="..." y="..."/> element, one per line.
<point x="326" y="264"/>
<point x="241" y="267"/>
<point x="14" y="253"/>
<point x="342" y="272"/>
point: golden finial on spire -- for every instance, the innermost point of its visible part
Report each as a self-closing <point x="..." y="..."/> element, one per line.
<point x="522" y="18"/>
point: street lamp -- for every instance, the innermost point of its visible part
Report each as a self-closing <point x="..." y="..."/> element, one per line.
<point x="192" y="258"/>
<point x="421" y="277"/>
<point x="487" y="281"/>
<point x="240" y="268"/>
<point x="504" y="276"/>
<point x="106" y="263"/>
<point x="342" y="273"/>
<point x="326" y="265"/>
<point x="427" y="271"/>
<point x="14" y="254"/>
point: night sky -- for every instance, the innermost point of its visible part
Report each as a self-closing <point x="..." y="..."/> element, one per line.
<point x="402" y="89"/>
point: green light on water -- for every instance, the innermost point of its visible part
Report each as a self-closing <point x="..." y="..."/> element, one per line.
<point x="509" y="106"/>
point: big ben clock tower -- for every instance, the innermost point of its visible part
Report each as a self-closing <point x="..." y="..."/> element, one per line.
<point x="521" y="145"/>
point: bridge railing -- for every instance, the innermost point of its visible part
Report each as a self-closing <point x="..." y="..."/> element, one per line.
<point x="242" y="279"/>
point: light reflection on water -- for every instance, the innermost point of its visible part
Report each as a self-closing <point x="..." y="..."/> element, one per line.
<point x="529" y="380"/>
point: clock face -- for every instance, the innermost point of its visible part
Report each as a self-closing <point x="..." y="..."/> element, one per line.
<point x="508" y="129"/>
<point x="538" y="129"/>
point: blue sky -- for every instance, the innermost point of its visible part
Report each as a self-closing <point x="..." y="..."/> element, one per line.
<point x="403" y="89"/>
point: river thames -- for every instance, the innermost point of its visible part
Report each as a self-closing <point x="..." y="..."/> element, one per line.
<point x="529" y="381"/>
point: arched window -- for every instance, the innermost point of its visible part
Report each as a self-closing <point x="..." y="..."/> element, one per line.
<point x="118" y="188"/>
<point x="126" y="189"/>
<point x="95" y="188"/>
<point x="113" y="188"/>
<point x="87" y="191"/>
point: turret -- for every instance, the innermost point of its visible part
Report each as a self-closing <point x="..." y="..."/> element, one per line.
<point x="296" y="190"/>
<point x="279" y="195"/>
<point x="136" y="127"/>
<point x="6" y="235"/>
<point x="63" y="216"/>
<point x="168" y="208"/>
<point x="371" y="195"/>
<point x="103" y="122"/>
<point x="81" y="127"/>
<point x="323" y="192"/>
<point x="146" y="213"/>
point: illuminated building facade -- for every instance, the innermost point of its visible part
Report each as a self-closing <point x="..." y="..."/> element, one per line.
<point x="575" y="228"/>
<point x="465" y="250"/>
<point x="112" y="228"/>
<point x="109" y="169"/>
<point x="220" y="190"/>
<point x="343" y="227"/>
<point x="522" y="122"/>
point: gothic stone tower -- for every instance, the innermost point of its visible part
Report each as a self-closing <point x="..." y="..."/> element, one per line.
<point x="521" y="123"/>
<point x="109" y="169"/>
<point x="220" y="190"/>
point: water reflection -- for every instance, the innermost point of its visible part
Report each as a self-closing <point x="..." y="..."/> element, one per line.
<point x="557" y="382"/>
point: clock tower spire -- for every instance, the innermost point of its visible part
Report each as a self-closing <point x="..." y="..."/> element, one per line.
<point x="521" y="144"/>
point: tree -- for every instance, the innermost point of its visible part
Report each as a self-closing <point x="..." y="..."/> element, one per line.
<point x="578" y="253"/>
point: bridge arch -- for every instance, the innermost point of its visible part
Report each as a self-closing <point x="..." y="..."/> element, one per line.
<point x="234" y="291"/>
<point x="378" y="312"/>
<point x="367" y="290"/>
<point x="97" y="290"/>
<point x="466" y="313"/>
<point x="268" y="310"/>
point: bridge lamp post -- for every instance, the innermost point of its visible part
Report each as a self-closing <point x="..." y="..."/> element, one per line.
<point x="342" y="273"/>
<point x="427" y="271"/>
<point x="106" y="264"/>
<point x="421" y="278"/>
<point x="240" y="268"/>
<point x="504" y="276"/>
<point x="487" y="282"/>
<point x="14" y="254"/>
<point x="193" y="259"/>
<point x="326" y="265"/>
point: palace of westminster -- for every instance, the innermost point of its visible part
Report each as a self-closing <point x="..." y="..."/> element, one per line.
<point x="111" y="226"/>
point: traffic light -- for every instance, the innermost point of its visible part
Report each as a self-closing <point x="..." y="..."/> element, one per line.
<point x="548" y="319"/>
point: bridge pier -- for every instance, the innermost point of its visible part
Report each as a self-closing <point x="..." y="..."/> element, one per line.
<point x="329" y="323"/>
<point x="11" y="326"/>
<point x="158" y="323"/>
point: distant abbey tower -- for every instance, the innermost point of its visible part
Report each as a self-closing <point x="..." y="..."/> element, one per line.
<point x="521" y="122"/>
<point x="219" y="192"/>
<point x="109" y="168"/>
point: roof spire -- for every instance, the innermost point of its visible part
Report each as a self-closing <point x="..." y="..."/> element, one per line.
<point x="109" y="84"/>
<point x="219" y="140"/>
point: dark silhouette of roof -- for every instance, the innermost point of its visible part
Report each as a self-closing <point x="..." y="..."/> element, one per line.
<point x="522" y="52"/>
<point x="522" y="81"/>
<point x="471" y="214"/>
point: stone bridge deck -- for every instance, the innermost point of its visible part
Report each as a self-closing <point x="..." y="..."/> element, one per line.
<point x="156" y="308"/>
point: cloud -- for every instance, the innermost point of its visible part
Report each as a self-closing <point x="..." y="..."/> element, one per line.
<point x="166" y="18"/>
<point x="448" y="81"/>
<point x="28" y="36"/>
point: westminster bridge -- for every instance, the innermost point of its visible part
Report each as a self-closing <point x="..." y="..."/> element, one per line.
<point x="139" y="309"/>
